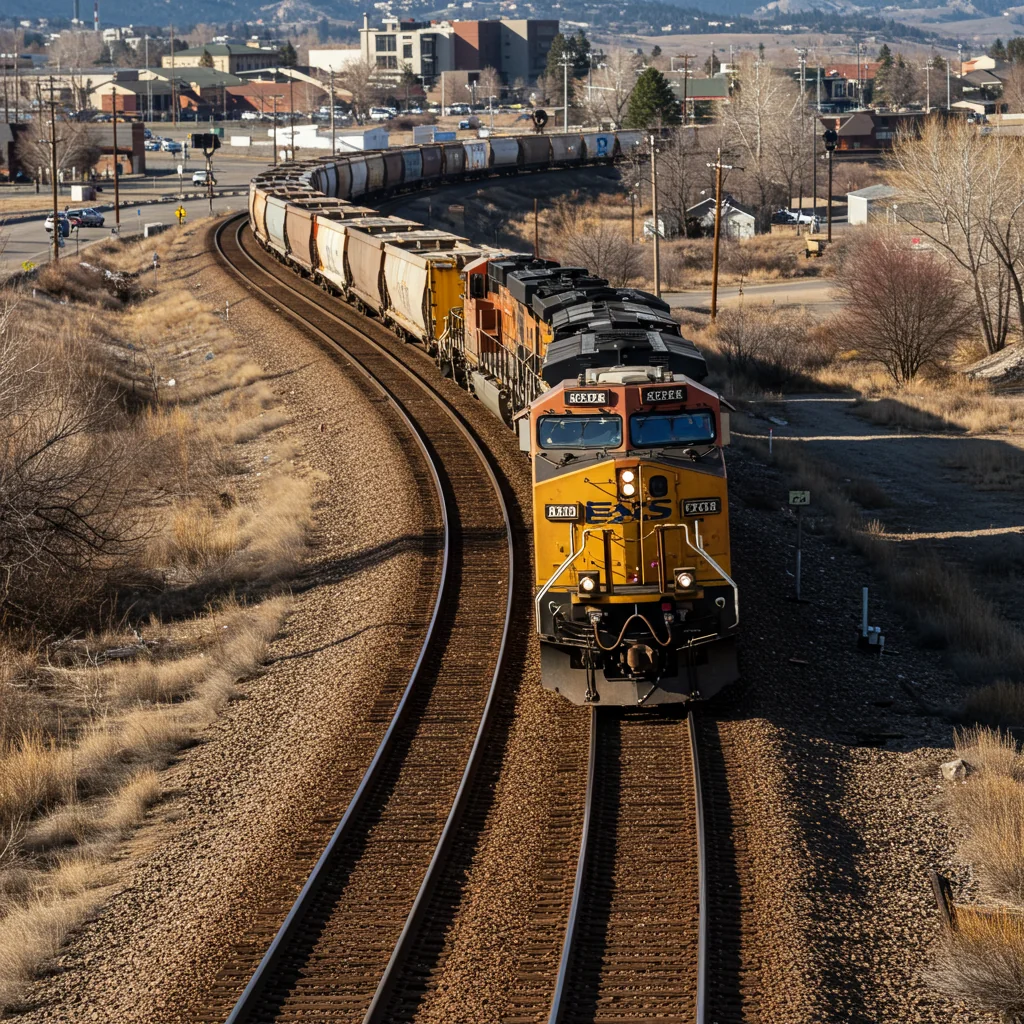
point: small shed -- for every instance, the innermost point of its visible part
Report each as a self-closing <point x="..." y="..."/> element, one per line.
<point x="361" y="139"/>
<point x="738" y="221"/>
<point x="868" y="203"/>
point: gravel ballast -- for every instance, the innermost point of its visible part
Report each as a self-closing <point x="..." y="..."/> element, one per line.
<point x="264" y="779"/>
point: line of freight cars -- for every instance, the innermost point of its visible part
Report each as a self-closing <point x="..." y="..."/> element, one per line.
<point x="635" y="604"/>
<point x="308" y="214"/>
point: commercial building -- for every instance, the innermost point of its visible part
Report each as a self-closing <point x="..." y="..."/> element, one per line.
<point x="336" y="60"/>
<point x="423" y="48"/>
<point x="227" y="57"/>
<point x="516" y="49"/>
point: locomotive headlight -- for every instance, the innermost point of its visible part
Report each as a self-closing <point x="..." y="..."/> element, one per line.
<point x="685" y="579"/>
<point x="628" y="490"/>
<point x="627" y="483"/>
<point x="588" y="583"/>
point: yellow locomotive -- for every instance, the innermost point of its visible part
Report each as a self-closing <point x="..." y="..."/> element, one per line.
<point x="635" y="603"/>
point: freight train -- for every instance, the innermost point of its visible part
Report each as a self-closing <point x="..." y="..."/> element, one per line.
<point x="635" y="603"/>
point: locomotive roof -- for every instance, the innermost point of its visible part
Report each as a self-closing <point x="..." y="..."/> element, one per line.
<point x="571" y="356"/>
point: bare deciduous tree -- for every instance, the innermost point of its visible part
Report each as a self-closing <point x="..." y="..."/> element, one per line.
<point x="360" y="79"/>
<point x="902" y="307"/>
<point x="962" y="191"/>
<point x="593" y="242"/>
<point x="606" y="91"/>
<point x="72" y="51"/>
<point x="76" y="146"/>
<point x="66" y="479"/>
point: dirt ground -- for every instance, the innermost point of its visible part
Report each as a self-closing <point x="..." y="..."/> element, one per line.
<point x="937" y="504"/>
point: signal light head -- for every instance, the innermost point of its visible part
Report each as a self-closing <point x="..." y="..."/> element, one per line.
<point x="627" y="482"/>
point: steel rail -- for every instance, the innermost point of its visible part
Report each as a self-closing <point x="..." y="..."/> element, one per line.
<point x="562" y="980"/>
<point x="703" y="922"/>
<point x="565" y="963"/>
<point x="247" y="1001"/>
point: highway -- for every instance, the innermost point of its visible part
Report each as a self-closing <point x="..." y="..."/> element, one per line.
<point x="813" y="292"/>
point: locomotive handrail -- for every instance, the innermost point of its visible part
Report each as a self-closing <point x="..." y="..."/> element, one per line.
<point x="699" y="548"/>
<point x="565" y="565"/>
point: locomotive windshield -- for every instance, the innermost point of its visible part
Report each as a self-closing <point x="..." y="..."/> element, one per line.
<point x="579" y="431"/>
<point x="661" y="429"/>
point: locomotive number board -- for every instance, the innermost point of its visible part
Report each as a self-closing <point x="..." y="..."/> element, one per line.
<point x="702" y="506"/>
<point x="586" y="398"/>
<point x="652" y="396"/>
<point x="562" y="513"/>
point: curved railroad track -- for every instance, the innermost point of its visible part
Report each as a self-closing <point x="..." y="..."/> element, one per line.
<point x="343" y="947"/>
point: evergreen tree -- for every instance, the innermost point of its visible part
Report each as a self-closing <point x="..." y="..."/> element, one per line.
<point x="206" y="60"/>
<point x="652" y="101"/>
<point x="655" y="52"/>
<point x="1015" y="50"/>
<point x="997" y="50"/>
<point x="105" y="60"/>
<point x="323" y="30"/>
<point x="287" y="57"/>
<point x="885" y="56"/>
<point x="760" y="51"/>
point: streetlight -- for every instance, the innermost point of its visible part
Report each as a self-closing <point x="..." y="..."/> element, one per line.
<point x="565" y="62"/>
<point x="927" y="69"/>
<point x="830" y="138"/>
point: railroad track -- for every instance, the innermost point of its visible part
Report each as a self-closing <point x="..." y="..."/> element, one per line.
<point x="344" y="947"/>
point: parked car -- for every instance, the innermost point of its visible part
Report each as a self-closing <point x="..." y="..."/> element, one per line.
<point x="203" y="178"/>
<point x="784" y="216"/>
<point x="86" y="218"/>
<point x="170" y="146"/>
<point x="250" y="115"/>
<point x="147" y="133"/>
<point x="62" y="221"/>
<point x="153" y="145"/>
<point x="380" y="114"/>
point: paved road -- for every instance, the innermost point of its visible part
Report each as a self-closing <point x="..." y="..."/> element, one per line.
<point x="814" y="292"/>
<point x="27" y="241"/>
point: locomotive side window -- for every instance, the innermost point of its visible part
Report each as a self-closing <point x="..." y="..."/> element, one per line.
<point x="579" y="431"/>
<point x="657" y="429"/>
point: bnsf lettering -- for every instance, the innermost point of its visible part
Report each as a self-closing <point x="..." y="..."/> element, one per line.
<point x="611" y="512"/>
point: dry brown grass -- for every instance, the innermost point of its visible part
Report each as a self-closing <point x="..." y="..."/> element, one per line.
<point x="998" y="703"/>
<point x="990" y="465"/>
<point x="982" y="961"/>
<point x="962" y="406"/>
<point x="87" y="720"/>
<point x="948" y="610"/>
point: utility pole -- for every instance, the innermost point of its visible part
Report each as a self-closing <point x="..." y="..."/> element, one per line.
<point x="536" y="231"/>
<point x="291" y="114"/>
<point x="801" y="54"/>
<point x="17" y="84"/>
<point x="654" y="212"/>
<point x="947" y="84"/>
<point x="53" y="172"/>
<point x="117" y="166"/>
<point x="830" y="138"/>
<point x="274" y="98"/>
<point x="333" y="149"/>
<point x="819" y="87"/>
<point x="927" y="69"/>
<point x="148" y="83"/>
<point x="860" y="91"/>
<point x="565" y="91"/>
<point x="174" y="104"/>
<point x="686" y="58"/>
<point x="719" y="167"/>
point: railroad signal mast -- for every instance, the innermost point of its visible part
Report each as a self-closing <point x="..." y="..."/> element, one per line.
<point x="830" y="138"/>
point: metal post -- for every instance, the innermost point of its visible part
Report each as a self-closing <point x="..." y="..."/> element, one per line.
<point x="819" y="87"/>
<point x="291" y="114"/>
<point x="53" y="171"/>
<point x="829" y="211"/>
<point x="654" y="211"/>
<point x="274" y="98"/>
<point x="927" y="88"/>
<point x="718" y="232"/>
<point x="209" y="179"/>
<point x="536" y="231"/>
<point x="174" y="105"/>
<point x="565" y="93"/>
<point x="799" y="547"/>
<point x="17" y="84"/>
<point x="860" y="102"/>
<point x="814" y="166"/>
<point x="333" y="146"/>
<point x="632" y="217"/>
<point x="117" y="183"/>
<point x="947" y="83"/>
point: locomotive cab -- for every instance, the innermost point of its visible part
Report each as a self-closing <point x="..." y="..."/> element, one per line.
<point x="635" y="603"/>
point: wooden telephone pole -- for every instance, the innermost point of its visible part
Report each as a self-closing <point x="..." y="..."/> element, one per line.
<point x="719" y="167"/>
<point x="174" y="105"/>
<point x="117" y="166"/>
<point x="654" y="214"/>
<point x="53" y="173"/>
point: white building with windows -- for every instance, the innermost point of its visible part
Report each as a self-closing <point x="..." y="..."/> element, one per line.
<point x="425" y="49"/>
